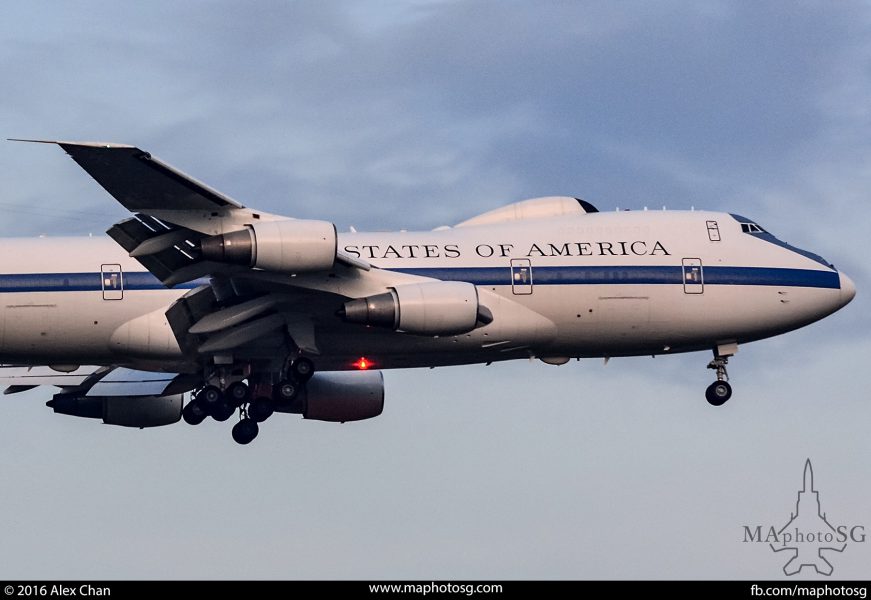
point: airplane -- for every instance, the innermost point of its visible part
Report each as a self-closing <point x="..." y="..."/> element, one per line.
<point x="249" y="313"/>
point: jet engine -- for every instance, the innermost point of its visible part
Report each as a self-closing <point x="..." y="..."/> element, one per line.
<point x="340" y="396"/>
<point x="127" y="411"/>
<point x="291" y="246"/>
<point x="437" y="308"/>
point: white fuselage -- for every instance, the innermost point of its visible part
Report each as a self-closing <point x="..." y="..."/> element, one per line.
<point x="602" y="284"/>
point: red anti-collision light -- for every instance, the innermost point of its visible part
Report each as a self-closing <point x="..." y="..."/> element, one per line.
<point x="363" y="363"/>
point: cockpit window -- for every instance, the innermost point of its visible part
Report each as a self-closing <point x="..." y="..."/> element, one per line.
<point x="752" y="228"/>
<point x="748" y="226"/>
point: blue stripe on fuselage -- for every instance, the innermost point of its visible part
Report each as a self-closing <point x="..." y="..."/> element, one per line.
<point x="80" y="282"/>
<point x="567" y="275"/>
<point x="578" y="275"/>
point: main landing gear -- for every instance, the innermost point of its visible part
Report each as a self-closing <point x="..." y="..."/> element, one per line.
<point x="720" y="391"/>
<point x="255" y="403"/>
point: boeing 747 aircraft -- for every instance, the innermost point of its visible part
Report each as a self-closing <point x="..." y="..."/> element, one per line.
<point x="255" y="313"/>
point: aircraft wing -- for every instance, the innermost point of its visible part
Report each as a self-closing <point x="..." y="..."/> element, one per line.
<point x="142" y="182"/>
<point x="172" y="211"/>
<point x="237" y="305"/>
<point x="253" y="313"/>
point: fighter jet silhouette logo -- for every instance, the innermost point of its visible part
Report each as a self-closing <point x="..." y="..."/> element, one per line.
<point x="810" y="530"/>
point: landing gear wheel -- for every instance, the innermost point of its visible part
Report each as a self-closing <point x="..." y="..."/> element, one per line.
<point x="261" y="409"/>
<point x="718" y="393"/>
<point x="209" y="396"/>
<point x="237" y="393"/>
<point x="302" y="369"/>
<point x="245" y="431"/>
<point x="194" y="413"/>
<point x="223" y="410"/>
<point x="286" y="391"/>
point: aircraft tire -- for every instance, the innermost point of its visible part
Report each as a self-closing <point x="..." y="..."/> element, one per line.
<point x="718" y="393"/>
<point x="302" y="369"/>
<point x="194" y="413"/>
<point x="245" y="431"/>
<point x="210" y="396"/>
<point x="238" y="393"/>
<point x="223" y="410"/>
<point x="261" y="409"/>
<point x="286" y="391"/>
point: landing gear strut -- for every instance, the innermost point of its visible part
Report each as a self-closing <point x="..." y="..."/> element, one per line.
<point x="720" y="391"/>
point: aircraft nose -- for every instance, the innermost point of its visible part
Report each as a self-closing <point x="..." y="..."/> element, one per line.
<point x="848" y="289"/>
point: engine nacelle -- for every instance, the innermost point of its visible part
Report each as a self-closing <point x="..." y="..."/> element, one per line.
<point x="290" y="246"/>
<point x="437" y="308"/>
<point x="340" y="396"/>
<point x="127" y="411"/>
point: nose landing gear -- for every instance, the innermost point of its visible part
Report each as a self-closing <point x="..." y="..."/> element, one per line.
<point x="720" y="391"/>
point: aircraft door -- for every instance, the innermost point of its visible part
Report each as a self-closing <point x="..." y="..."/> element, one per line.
<point x="521" y="276"/>
<point x="693" y="276"/>
<point x="113" y="282"/>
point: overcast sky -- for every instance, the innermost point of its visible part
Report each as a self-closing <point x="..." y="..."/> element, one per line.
<point x="419" y="114"/>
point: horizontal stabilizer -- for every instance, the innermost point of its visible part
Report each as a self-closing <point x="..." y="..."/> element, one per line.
<point x="20" y="377"/>
<point x="97" y="381"/>
<point x="17" y="389"/>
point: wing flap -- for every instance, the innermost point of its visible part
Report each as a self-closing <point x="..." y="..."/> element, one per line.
<point x="228" y="317"/>
<point x="242" y="334"/>
<point x="186" y="311"/>
<point x="161" y="242"/>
